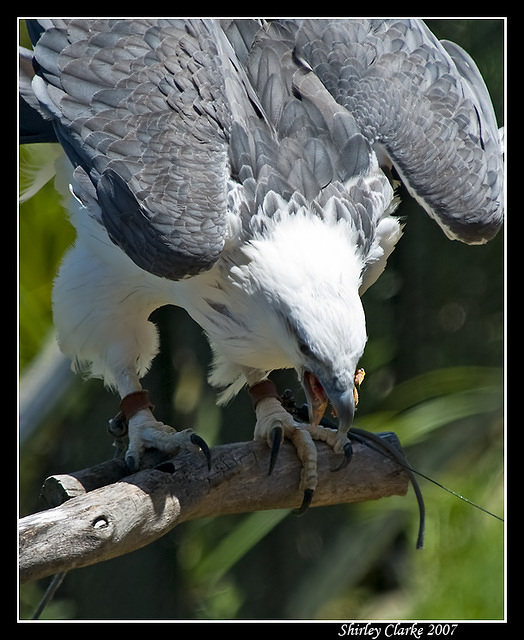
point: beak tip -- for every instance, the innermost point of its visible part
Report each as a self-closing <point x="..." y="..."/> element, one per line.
<point x="344" y="406"/>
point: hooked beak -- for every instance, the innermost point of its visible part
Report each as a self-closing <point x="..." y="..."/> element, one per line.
<point x="318" y="396"/>
<point x="343" y="403"/>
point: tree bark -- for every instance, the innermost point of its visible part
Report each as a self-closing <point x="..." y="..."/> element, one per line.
<point x="108" y="513"/>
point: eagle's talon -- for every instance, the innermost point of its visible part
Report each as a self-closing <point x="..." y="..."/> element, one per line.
<point x="117" y="426"/>
<point x="306" y="502"/>
<point x="276" y="436"/>
<point x="200" y="442"/>
<point x="132" y="463"/>
<point x="150" y="443"/>
<point x="348" y="454"/>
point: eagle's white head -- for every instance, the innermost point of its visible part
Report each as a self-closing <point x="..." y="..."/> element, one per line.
<point x="302" y="276"/>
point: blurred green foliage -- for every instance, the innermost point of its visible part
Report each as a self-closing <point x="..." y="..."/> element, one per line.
<point x="434" y="367"/>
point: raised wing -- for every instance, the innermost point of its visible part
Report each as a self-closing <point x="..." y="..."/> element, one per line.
<point x="139" y="105"/>
<point x="425" y="104"/>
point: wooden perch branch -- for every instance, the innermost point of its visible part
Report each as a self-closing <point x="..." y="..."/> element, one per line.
<point x="107" y="513"/>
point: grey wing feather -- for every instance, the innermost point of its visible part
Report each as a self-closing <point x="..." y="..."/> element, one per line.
<point x="426" y="104"/>
<point x="307" y="147"/>
<point x="140" y="106"/>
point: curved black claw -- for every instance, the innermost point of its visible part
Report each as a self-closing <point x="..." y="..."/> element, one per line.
<point x="132" y="464"/>
<point x="306" y="502"/>
<point x="276" y="441"/>
<point x="348" y="454"/>
<point x="117" y="426"/>
<point x="200" y="442"/>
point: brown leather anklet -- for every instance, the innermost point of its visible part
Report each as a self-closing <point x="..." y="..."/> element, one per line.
<point x="133" y="403"/>
<point x="261" y="390"/>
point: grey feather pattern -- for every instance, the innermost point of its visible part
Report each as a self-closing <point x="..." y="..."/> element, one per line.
<point x="142" y="110"/>
<point x="163" y="114"/>
<point x="426" y="103"/>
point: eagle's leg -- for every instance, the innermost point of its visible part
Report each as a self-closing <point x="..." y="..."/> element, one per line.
<point x="274" y="424"/>
<point x="144" y="432"/>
